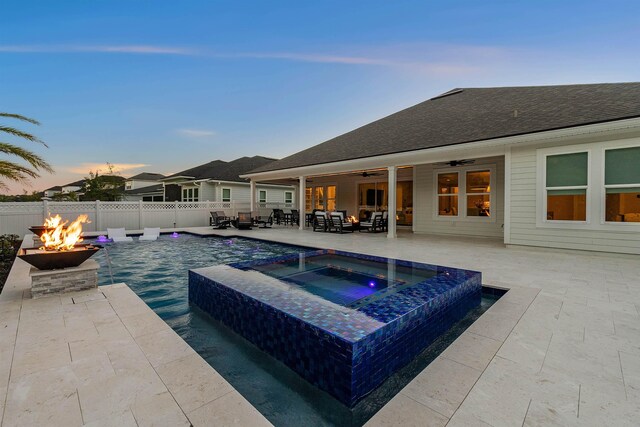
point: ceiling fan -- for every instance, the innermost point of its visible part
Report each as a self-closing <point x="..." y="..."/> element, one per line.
<point x="459" y="162"/>
<point x="368" y="174"/>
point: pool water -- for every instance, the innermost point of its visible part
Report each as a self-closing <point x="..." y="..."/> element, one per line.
<point x="351" y="279"/>
<point x="157" y="272"/>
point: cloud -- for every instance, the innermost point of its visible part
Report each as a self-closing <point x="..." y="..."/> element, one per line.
<point x="196" y="133"/>
<point x="132" y="49"/>
<point x="84" y="168"/>
<point x="429" y="58"/>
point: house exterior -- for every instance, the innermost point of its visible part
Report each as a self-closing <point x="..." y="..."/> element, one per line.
<point x="550" y="166"/>
<point x="145" y="186"/>
<point x="220" y="181"/>
<point x="72" y="187"/>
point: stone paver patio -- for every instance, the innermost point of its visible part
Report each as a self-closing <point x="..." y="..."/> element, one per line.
<point x="561" y="348"/>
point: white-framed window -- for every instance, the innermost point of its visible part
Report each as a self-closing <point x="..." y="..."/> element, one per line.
<point x="607" y="199"/>
<point x="262" y="196"/>
<point x="321" y="197"/>
<point x="190" y="194"/>
<point x="465" y="193"/>
<point x="621" y="189"/>
<point x="226" y="194"/>
<point x="448" y="193"/>
<point x="288" y="197"/>
<point x="566" y="186"/>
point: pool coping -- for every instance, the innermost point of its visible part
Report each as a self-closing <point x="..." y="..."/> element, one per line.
<point x="427" y="396"/>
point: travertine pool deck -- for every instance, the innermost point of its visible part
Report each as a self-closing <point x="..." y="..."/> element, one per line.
<point x="561" y="348"/>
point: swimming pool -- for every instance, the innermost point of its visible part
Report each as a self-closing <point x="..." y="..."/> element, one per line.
<point x="157" y="272"/>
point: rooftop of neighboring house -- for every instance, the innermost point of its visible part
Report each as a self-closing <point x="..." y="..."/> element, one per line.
<point x="147" y="176"/>
<point x="145" y="190"/>
<point x="465" y="115"/>
<point x="223" y="171"/>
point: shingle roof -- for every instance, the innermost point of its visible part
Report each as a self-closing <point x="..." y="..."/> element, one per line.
<point x="147" y="176"/>
<point x="144" y="190"/>
<point x="475" y="114"/>
<point x="54" y="188"/>
<point x="225" y="171"/>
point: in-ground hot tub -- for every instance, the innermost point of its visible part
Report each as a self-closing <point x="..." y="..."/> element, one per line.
<point x="345" y="322"/>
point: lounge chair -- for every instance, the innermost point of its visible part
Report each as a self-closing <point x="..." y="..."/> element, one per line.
<point x="150" y="234"/>
<point x="385" y="221"/>
<point x="219" y="221"/>
<point x="320" y="222"/>
<point x="338" y="223"/>
<point x="374" y="224"/>
<point x="244" y="221"/>
<point x="118" y="235"/>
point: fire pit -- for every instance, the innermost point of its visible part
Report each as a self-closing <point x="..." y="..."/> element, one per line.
<point x="50" y="260"/>
<point x="61" y="247"/>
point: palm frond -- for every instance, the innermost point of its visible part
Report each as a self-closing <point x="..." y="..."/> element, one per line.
<point x="16" y="172"/>
<point x="20" y="117"/>
<point x="20" y="134"/>
<point x="28" y="156"/>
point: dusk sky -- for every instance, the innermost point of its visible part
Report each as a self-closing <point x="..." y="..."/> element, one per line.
<point x="161" y="86"/>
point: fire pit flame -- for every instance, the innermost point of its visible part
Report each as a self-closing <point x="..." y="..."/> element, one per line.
<point x="59" y="238"/>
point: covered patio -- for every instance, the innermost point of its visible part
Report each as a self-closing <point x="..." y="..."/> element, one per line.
<point x="458" y="191"/>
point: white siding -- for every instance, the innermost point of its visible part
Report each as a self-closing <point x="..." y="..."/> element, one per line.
<point x="524" y="231"/>
<point x="424" y="205"/>
<point x="208" y="192"/>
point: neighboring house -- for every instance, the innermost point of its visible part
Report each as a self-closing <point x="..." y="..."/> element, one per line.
<point x="72" y="187"/>
<point x="552" y="166"/>
<point x="144" y="186"/>
<point x="220" y="181"/>
<point x="50" y="192"/>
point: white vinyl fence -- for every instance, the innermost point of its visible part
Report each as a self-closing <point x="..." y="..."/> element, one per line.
<point x="16" y="218"/>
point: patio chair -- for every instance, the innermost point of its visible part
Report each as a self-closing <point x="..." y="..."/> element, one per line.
<point x="263" y="221"/>
<point x="338" y="223"/>
<point x="278" y="216"/>
<point x="118" y="235"/>
<point x="295" y="217"/>
<point x="244" y="221"/>
<point x="150" y="234"/>
<point x="218" y="221"/>
<point x="320" y="222"/>
<point x="374" y="224"/>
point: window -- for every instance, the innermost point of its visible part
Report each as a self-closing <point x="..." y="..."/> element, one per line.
<point x="566" y="186"/>
<point x="465" y="193"/>
<point x="318" y="198"/>
<point x="331" y="198"/>
<point x="226" y="194"/>
<point x="262" y="196"/>
<point x="190" y="194"/>
<point x="478" y="185"/>
<point x="622" y="184"/>
<point x="308" y="199"/>
<point x="288" y="197"/>
<point x="448" y="194"/>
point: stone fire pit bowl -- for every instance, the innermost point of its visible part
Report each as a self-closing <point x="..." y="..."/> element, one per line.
<point x="52" y="260"/>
